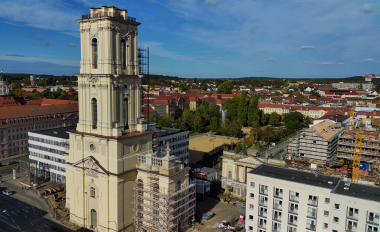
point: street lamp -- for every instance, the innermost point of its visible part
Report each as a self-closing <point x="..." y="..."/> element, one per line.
<point x="117" y="228"/>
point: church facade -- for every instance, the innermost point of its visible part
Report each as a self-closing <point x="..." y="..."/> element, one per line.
<point x="107" y="162"/>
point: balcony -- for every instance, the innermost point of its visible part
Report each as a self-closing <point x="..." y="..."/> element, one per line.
<point x="292" y="221"/>
<point x="277" y="217"/>
<point x="312" y="202"/>
<point x="352" y="229"/>
<point x="373" y="220"/>
<point x="311" y="215"/>
<point x="262" y="225"/>
<point x="310" y="227"/>
<point x="276" y="229"/>
<point x="277" y="206"/>
<point x="263" y="203"/>
<point x="264" y="191"/>
<point x="278" y="195"/>
<point x="293" y="210"/>
<point x="352" y="215"/>
<point x="263" y="214"/>
<point x="294" y="198"/>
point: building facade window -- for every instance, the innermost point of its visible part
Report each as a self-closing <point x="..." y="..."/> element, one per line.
<point x="94" y="46"/>
<point x="92" y="191"/>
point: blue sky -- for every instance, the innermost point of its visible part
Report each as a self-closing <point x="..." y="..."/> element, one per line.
<point x="205" y="38"/>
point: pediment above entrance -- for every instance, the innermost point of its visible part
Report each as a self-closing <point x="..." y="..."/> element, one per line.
<point x="91" y="166"/>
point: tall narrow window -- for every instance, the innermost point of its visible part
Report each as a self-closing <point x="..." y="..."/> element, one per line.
<point x="126" y="113"/>
<point x="94" y="44"/>
<point x="94" y="113"/>
<point x="92" y="192"/>
<point x="123" y="52"/>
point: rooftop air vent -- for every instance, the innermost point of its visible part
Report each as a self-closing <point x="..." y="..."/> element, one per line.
<point x="330" y="182"/>
<point x="346" y="188"/>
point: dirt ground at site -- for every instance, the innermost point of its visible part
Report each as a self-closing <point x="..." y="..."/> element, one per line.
<point x="207" y="144"/>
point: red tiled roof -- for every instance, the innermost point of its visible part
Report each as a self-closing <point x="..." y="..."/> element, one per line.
<point x="7" y="101"/>
<point x="46" y="102"/>
<point x="209" y="99"/>
<point x="35" y="110"/>
<point x="334" y="116"/>
<point x="283" y="106"/>
<point x="144" y="110"/>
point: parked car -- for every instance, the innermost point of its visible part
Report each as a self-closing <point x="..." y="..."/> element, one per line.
<point x="12" y="162"/>
<point x="7" y="192"/>
<point x="226" y="225"/>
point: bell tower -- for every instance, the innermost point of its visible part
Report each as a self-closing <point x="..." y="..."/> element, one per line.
<point x="109" y="82"/>
<point x="101" y="161"/>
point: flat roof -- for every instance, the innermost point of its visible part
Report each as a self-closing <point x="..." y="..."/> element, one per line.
<point x="302" y="177"/>
<point x="57" y="132"/>
<point x="358" y="190"/>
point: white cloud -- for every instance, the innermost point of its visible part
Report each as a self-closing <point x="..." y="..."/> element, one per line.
<point x="52" y="14"/>
<point x="202" y="58"/>
<point x="341" y="63"/>
<point x="368" y="59"/>
<point x="218" y="58"/>
<point x="47" y="44"/>
<point x="157" y="49"/>
<point x="211" y="2"/>
<point x="306" y="61"/>
<point x="39" y="59"/>
<point x="272" y="59"/>
<point x="322" y="63"/>
<point x="306" y="47"/>
<point x="73" y="45"/>
<point x="368" y="8"/>
<point x="37" y="37"/>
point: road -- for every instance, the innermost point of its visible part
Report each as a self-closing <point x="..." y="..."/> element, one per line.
<point x="24" y="211"/>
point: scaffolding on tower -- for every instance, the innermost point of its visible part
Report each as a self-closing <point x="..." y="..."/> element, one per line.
<point x="159" y="209"/>
<point x="143" y="60"/>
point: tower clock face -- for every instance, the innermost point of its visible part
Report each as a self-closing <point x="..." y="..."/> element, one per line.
<point x="92" y="147"/>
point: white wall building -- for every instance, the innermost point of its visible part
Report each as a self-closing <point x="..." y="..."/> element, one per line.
<point x="47" y="147"/>
<point x="288" y="200"/>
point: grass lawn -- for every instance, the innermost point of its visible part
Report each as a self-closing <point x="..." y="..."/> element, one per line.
<point x="8" y="166"/>
<point x="194" y="133"/>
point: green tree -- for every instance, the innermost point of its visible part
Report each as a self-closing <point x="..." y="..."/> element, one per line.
<point x="34" y="90"/>
<point x="315" y="93"/>
<point x="308" y="120"/>
<point x="214" y="124"/>
<point x="234" y="128"/>
<point x="219" y="97"/>
<point x="26" y="81"/>
<point x="257" y="133"/>
<point x="264" y="118"/>
<point x="243" y="108"/>
<point x="180" y="124"/>
<point x="183" y="86"/>
<point x="231" y="105"/>
<point x="253" y="111"/>
<point x="361" y="86"/>
<point x="293" y="121"/>
<point x="36" y="95"/>
<point x="197" y="123"/>
<point x="225" y="88"/>
<point x="165" y="121"/>
<point x="274" y="119"/>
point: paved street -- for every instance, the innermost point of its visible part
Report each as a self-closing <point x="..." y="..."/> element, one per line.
<point x="24" y="211"/>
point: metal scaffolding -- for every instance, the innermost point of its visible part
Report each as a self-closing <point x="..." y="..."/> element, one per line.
<point x="157" y="209"/>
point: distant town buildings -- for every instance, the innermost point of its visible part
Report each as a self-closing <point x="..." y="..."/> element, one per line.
<point x="342" y="85"/>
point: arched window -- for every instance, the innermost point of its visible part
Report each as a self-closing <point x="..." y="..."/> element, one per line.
<point x="94" y="106"/>
<point x="92" y="191"/>
<point x="125" y="113"/>
<point x="123" y="52"/>
<point x="94" y="45"/>
<point x="229" y="175"/>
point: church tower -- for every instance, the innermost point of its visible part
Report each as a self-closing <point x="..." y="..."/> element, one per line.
<point x="101" y="161"/>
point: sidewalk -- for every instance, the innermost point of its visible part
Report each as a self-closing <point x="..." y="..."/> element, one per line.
<point x="37" y="201"/>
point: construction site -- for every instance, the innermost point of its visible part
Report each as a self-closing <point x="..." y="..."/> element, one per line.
<point x="164" y="198"/>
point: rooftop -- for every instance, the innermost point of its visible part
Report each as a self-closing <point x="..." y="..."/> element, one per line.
<point x="57" y="132"/>
<point x="302" y="177"/>
<point x="324" y="129"/>
<point x="358" y="190"/>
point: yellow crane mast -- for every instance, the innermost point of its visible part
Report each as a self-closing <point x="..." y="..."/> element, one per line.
<point x="358" y="130"/>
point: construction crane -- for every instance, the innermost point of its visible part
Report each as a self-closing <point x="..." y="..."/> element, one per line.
<point x="358" y="130"/>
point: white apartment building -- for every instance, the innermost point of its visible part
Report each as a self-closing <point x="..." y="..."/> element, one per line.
<point x="288" y="200"/>
<point x="47" y="147"/>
